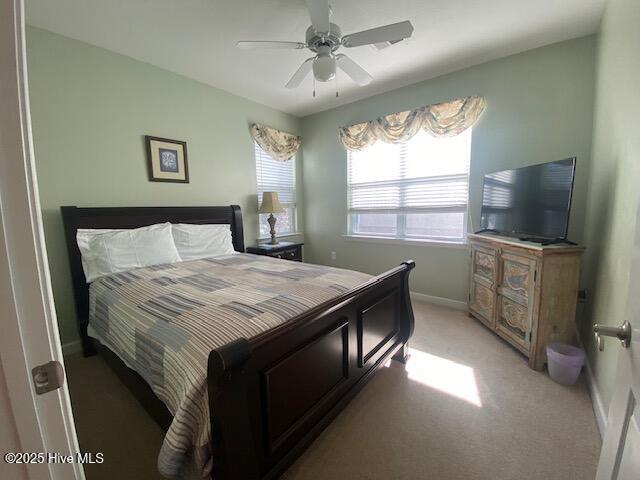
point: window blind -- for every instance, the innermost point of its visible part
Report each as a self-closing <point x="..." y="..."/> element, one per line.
<point x="415" y="188"/>
<point x="274" y="176"/>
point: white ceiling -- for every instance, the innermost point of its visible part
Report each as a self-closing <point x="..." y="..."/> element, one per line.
<point x="196" y="38"/>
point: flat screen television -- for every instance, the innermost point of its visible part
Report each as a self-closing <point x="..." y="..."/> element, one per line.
<point x="531" y="203"/>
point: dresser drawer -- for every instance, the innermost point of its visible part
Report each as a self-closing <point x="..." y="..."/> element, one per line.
<point x="282" y="250"/>
<point x="289" y="254"/>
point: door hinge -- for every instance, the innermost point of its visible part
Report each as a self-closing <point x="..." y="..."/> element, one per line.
<point x="48" y="376"/>
<point x="535" y="276"/>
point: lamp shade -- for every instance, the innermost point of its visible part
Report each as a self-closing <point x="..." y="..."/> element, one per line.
<point x="270" y="203"/>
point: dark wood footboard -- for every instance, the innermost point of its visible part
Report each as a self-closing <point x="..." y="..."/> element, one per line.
<point x="272" y="395"/>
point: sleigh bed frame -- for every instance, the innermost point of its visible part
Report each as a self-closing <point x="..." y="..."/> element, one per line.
<point x="274" y="393"/>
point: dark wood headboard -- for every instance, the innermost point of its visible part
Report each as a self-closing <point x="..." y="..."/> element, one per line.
<point x="133" y="217"/>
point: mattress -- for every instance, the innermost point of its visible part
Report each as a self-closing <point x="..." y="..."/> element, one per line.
<point x="163" y="321"/>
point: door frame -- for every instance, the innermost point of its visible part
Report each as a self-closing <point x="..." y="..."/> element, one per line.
<point x="30" y="336"/>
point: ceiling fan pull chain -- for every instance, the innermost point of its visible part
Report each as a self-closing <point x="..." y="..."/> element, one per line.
<point x="336" y="83"/>
<point x="314" y="86"/>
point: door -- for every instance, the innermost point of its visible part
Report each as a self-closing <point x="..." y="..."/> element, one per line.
<point x="482" y="289"/>
<point x="516" y="294"/>
<point x="29" y="336"/>
<point x="620" y="455"/>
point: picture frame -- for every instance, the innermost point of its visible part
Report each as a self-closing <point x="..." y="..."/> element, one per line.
<point x="167" y="160"/>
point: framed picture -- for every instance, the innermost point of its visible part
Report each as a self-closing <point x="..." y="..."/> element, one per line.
<point x="167" y="160"/>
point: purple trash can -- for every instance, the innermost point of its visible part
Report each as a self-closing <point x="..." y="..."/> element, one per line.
<point x="564" y="362"/>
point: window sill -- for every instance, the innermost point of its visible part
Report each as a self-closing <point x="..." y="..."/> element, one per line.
<point x="407" y="241"/>
<point x="280" y="235"/>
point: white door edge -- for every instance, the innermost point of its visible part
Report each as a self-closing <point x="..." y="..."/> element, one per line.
<point x="30" y="332"/>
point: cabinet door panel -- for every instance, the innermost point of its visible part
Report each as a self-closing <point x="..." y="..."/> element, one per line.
<point x="482" y="302"/>
<point x="514" y="320"/>
<point x="482" y="287"/>
<point x="484" y="263"/>
<point x="517" y="279"/>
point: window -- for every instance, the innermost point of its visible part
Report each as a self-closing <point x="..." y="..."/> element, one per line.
<point x="417" y="189"/>
<point x="274" y="176"/>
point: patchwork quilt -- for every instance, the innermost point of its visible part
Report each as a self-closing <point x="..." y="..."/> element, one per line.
<point x="163" y="321"/>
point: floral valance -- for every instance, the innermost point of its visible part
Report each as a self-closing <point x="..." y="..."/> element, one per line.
<point x="446" y="119"/>
<point x="280" y="145"/>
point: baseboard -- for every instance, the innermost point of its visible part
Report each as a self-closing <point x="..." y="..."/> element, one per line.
<point x="445" y="302"/>
<point x="596" y="398"/>
<point x="71" y="348"/>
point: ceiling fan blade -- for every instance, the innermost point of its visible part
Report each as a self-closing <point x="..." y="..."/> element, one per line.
<point x="319" y="13"/>
<point x="383" y="45"/>
<point x="271" y="45"/>
<point x="303" y="71"/>
<point x="355" y="71"/>
<point x="389" y="33"/>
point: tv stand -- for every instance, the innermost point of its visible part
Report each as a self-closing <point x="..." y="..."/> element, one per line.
<point x="525" y="292"/>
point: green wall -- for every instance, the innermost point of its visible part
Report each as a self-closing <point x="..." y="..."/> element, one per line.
<point x="539" y="108"/>
<point x="613" y="184"/>
<point x="90" y="110"/>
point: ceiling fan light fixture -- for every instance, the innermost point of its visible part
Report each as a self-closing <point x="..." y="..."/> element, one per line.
<point x="324" y="38"/>
<point x="324" y="67"/>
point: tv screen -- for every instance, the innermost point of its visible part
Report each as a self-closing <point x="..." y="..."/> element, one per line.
<point x="530" y="201"/>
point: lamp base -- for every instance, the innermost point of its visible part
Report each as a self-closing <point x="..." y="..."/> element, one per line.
<point x="272" y="224"/>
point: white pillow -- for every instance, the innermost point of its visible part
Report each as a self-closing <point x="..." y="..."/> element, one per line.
<point x="202" y="241"/>
<point x="110" y="251"/>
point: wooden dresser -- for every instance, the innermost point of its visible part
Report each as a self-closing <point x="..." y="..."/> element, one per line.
<point x="525" y="292"/>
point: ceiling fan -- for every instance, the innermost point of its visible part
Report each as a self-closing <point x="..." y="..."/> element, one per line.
<point x="324" y="39"/>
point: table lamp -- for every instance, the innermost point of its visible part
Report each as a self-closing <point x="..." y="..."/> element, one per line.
<point x="271" y="204"/>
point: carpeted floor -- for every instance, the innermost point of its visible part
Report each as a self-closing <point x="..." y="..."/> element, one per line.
<point x="466" y="406"/>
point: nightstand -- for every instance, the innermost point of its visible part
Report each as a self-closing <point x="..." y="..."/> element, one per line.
<point x="284" y="250"/>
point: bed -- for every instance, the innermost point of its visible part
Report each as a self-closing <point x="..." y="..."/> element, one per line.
<point x="274" y="389"/>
